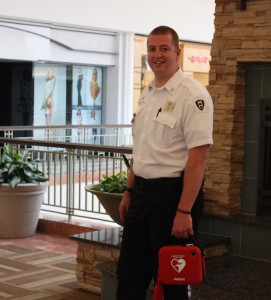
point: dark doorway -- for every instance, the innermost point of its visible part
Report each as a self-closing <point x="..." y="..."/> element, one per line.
<point x="17" y="92"/>
<point x="256" y="189"/>
<point x="265" y="157"/>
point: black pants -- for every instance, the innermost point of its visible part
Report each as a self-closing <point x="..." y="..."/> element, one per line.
<point x="147" y="228"/>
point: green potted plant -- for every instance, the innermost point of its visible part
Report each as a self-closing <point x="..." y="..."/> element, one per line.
<point x="22" y="188"/>
<point x="109" y="191"/>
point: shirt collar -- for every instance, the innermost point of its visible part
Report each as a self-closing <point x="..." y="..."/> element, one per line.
<point x="172" y="84"/>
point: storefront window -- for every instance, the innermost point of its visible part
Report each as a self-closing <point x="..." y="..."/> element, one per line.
<point x="87" y="99"/>
<point x="68" y="95"/>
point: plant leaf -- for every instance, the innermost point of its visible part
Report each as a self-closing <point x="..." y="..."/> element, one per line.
<point x="16" y="167"/>
<point x="15" y="181"/>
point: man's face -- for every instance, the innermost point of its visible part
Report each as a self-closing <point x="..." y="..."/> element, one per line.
<point x="163" y="57"/>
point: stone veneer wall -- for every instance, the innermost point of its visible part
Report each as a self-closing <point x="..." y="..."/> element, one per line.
<point x="240" y="37"/>
<point x="89" y="256"/>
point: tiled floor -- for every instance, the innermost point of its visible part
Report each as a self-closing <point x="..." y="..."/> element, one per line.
<point x="43" y="267"/>
<point x="40" y="267"/>
<point x="48" y="242"/>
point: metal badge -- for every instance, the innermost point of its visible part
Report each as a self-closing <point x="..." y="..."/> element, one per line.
<point x="169" y="106"/>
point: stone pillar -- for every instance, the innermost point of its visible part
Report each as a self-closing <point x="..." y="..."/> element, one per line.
<point x="240" y="37"/>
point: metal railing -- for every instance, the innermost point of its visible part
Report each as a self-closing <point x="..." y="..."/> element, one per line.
<point x="110" y="135"/>
<point x="71" y="166"/>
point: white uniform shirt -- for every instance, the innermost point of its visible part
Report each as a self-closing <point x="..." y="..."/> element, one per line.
<point x="169" y="121"/>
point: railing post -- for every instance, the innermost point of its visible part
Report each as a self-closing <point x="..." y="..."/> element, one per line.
<point x="116" y="137"/>
<point x="70" y="183"/>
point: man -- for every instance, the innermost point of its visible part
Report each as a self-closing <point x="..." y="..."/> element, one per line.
<point x="163" y="201"/>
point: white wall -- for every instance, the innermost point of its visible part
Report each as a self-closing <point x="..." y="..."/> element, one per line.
<point x="192" y="19"/>
<point x="98" y="32"/>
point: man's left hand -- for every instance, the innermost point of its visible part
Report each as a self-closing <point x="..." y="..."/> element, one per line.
<point x="182" y="226"/>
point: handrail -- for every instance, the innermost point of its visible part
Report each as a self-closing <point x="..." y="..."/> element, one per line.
<point x="67" y="145"/>
<point x="26" y="128"/>
<point x="111" y="135"/>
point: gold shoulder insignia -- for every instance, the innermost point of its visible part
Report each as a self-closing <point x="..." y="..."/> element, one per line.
<point x="200" y="104"/>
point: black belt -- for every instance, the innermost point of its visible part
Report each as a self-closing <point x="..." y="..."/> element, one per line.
<point x="158" y="183"/>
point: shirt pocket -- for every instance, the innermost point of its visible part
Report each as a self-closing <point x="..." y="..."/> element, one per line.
<point x="163" y="128"/>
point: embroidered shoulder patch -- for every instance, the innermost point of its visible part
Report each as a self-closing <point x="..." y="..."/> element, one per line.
<point x="200" y="104"/>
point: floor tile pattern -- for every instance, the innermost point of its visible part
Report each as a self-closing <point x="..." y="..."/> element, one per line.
<point x="28" y="273"/>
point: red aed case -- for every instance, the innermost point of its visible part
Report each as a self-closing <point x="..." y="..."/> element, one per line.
<point x="181" y="265"/>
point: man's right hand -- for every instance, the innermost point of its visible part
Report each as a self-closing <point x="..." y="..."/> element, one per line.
<point x="124" y="205"/>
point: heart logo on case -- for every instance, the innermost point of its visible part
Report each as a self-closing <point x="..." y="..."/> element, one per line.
<point x="178" y="264"/>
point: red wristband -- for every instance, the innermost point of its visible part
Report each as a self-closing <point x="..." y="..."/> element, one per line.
<point x="186" y="212"/>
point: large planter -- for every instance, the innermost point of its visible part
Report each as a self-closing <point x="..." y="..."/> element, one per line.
<point x="110" y="202"/>
<point x="20" y="209"/>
